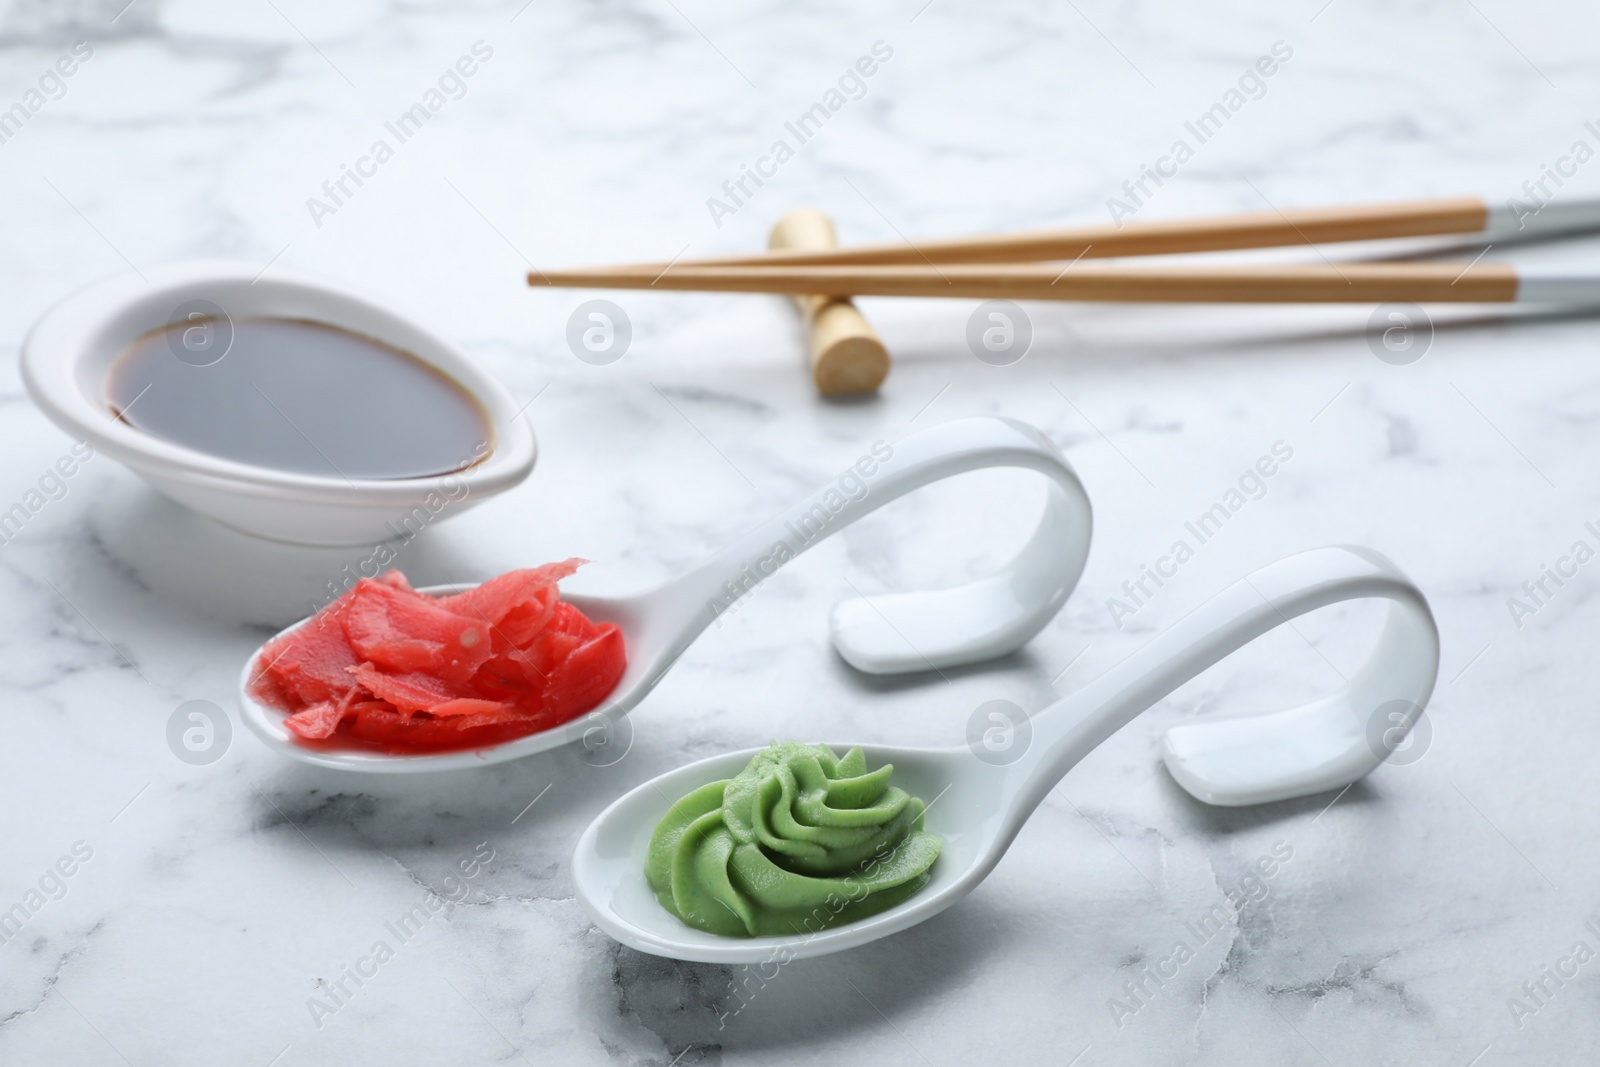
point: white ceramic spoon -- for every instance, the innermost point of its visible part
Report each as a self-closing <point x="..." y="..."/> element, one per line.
<point x="888" y="634"/>
<point x="978" y="807"/>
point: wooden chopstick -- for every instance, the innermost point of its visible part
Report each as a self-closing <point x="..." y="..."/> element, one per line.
<point x="1347" y="283"/>
<point x="1266" y="229"/>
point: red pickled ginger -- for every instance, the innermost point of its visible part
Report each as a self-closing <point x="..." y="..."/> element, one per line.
<point x="386" y="666"/>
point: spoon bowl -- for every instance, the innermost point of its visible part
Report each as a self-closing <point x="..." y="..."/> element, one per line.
<point x="891" y="633"/>
<point x="966" y="802"/>
<point x="965" y="805"/>
<point x="977" y="804"/>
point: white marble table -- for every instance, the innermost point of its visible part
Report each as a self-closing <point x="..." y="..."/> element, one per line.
<point x="210" y="907"/>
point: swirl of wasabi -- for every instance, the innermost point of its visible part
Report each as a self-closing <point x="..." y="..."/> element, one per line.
<point x="798" y="841"/>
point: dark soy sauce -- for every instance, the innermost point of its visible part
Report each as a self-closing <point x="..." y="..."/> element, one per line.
<point x="298" y="396"/>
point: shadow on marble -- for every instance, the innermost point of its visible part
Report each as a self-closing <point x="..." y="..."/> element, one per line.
<point x="1021" y="663"/>
<point x="206" y="568"/>
<point x="717" y="1009"/>
<point x="1220" y="822"/>
<point x="848" y="401"/>
<point x="1445" y="320"/>
<point x="528" y="812"/>
<point x="411" y="809"/>
<point x="1111" y="338"/>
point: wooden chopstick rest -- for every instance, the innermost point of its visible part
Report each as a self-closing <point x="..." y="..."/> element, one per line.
<point x="847" y="356"/>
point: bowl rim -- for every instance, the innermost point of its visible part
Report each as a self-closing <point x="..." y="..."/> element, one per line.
<point x="64" y="335"/>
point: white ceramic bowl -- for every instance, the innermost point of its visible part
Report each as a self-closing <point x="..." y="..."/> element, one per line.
<point x="67" y="354"/>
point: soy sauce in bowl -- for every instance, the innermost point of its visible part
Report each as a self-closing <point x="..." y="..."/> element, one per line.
<point x="297" y="396"/>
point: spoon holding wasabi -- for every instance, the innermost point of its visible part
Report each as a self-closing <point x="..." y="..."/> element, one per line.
<point x="731" y="842"/>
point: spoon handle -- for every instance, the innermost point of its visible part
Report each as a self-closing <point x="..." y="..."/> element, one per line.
<point x="1328" y="743"/>
<point x="902" y="632"/>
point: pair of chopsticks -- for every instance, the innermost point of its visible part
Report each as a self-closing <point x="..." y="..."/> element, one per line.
<point x="1048" y="264"/>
